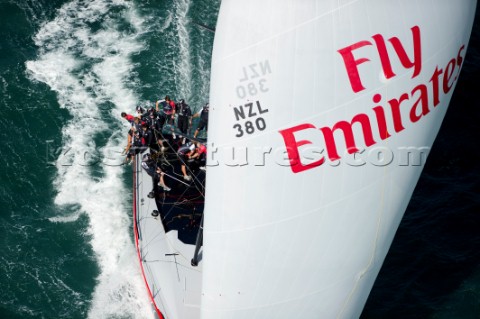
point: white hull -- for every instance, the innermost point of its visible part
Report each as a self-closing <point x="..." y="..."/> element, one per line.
<point x="174" y="286"/>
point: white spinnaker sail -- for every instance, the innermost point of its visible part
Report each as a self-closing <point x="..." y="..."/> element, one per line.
<point x="306" y="238"/>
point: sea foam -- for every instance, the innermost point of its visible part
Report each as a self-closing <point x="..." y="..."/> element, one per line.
<point x="185" y="64"/>
<point x="85" y="57"/>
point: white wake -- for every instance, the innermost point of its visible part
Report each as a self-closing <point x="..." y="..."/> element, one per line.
<point x="85" y="56"/>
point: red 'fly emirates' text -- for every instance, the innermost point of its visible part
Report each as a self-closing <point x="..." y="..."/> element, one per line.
<point x="418" y="98"/>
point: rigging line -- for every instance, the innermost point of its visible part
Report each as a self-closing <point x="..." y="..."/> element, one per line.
<point x="147" y="245"/>
<point x="175" y="204"/>
<point x="183" y="162"/>
<point x="187" y="135"/>
<point x="200" y="192"/>
<point x="177" y="175"/>
<point x="163" y="200"/>
<point x="171" y="208"/>
<point x="204" y="26"/>
<point x="165" y="160"/>
<point x="178" y="180"/>
<point x="192" y="200"/>
<point x="191" y="172"/>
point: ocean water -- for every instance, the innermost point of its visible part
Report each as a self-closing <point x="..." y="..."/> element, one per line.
<point x="67" y="70"/>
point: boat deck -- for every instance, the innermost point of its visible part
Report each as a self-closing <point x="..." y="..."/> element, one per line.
<point x="165" y="259"/>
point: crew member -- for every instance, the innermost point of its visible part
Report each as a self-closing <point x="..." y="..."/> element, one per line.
<point x="184" y="154"/>
<point x="128" y="117"/>
<point x="140" y="111"/>
<point x="203" y="124"/>
<point x="168" y="112"/>
<point x="184" y="116"/>
<point x="136" y="143"/>
<point x="200" y="154"/>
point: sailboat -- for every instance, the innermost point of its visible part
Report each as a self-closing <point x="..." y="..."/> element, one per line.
<point x="322" y="114"/>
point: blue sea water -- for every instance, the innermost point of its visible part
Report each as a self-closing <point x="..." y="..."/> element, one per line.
<point x="67" y="70"/>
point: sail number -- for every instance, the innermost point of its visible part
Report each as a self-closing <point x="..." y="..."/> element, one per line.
<point x="249" y="128"/>
<point x="251" y="112"/>
<point x="253" y="79"/>
<point x="252" y="88"/>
